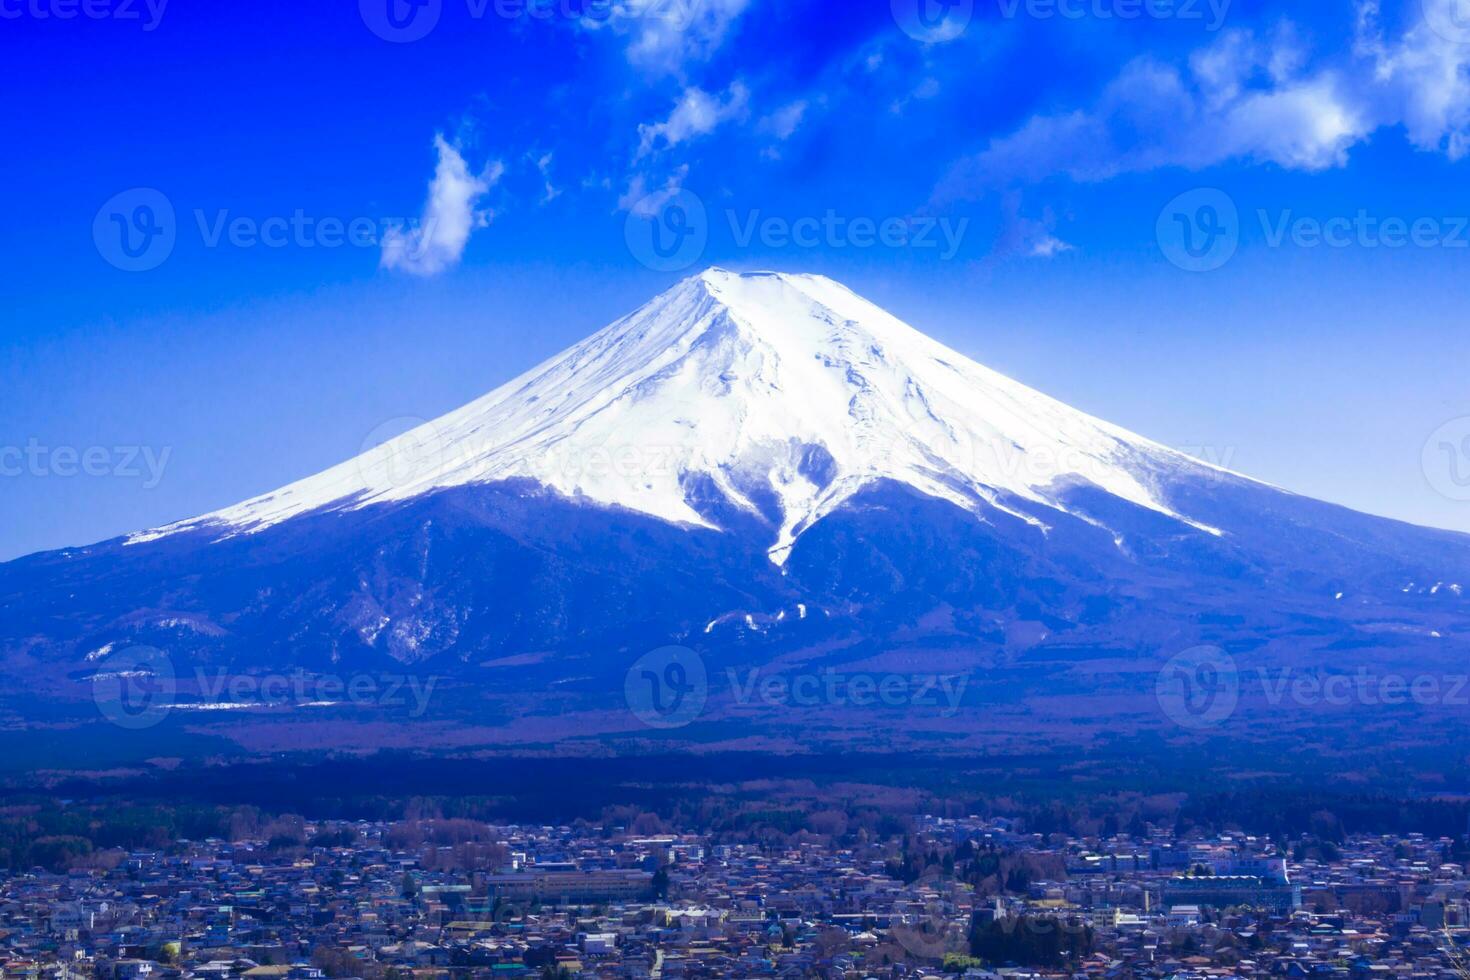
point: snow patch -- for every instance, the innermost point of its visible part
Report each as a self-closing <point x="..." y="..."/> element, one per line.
<point x="789" y="393"/>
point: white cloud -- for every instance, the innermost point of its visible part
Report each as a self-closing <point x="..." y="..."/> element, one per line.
<point x="1031" y="237"/>
<point x="697" y="113"/>
<point x="1229" y="103"/>
<point x="646" y="202"/>
<point x="1245" y="98"/>
<point x="1423" y="80"/>
<point x="666" y="34"/>
<point x="550" y="192"/>
<point x="928" y="88"/>
<point x="784" y="122"/>
<point x="1048" y="246"/>
<point x="450" y="215"/>
<point x="1304" y="126"/>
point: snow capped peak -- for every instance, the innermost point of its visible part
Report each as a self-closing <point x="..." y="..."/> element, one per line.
<point x="785" y="393"/>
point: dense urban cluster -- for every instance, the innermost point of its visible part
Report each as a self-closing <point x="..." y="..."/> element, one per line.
<point x="422" y="900"/>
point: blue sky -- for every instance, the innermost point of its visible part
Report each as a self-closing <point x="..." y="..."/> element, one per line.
<point x="337" y="220"/>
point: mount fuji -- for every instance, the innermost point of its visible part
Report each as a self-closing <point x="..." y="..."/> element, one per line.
<point x="782" y="395"/>
<point x="769" y="469"/>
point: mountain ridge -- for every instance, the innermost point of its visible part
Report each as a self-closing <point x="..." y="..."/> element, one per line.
<point x="788" y="392"/>
<point x="833" y="492"/>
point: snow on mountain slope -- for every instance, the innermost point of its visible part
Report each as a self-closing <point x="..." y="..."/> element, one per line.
<point x="789" y="392"/>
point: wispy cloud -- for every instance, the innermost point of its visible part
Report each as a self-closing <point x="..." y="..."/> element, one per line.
<point x="550" y="191"/>
<point x="665" y="35"/>
<point x="697" y="113"/>
<point x="1243" y="98"/>
<point x="1228" y="102"/>
<point x="1423" y="80"/>
<point x="1047" y="247"/>
<point x="450" y="215"/>
<point x="783" y="123"/>
<point x="644" y="197"/>
<point x="1031" y="237"/>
